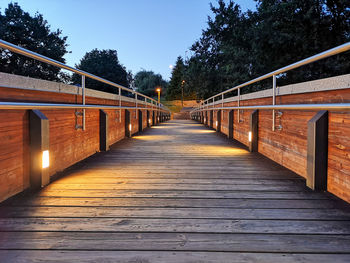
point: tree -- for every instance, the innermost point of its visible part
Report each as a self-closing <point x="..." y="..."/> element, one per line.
<point x="105" y="64"/>
<point x="176" y="80"/>
<point x="239" y="46"/>
<point x="33" y="33"/>
<point x="146" y="81"/>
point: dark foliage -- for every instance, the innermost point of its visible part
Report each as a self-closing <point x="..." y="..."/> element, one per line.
<point x="147" y="81"/>
<point x="33" y="33"/>
<point x="239" y="46"/>
<point x="105" y="64"/>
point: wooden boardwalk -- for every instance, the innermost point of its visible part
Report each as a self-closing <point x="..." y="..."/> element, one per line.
<point x="178" y="192"/>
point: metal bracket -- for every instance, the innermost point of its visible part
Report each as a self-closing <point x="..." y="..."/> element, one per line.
<point x="279" y="127"/>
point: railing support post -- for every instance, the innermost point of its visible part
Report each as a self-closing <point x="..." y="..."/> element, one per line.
<point x="317" y="151"/>
<point x="211" y="113"/>
<point x="273" y="101"/>
<point x="103" y="131"/>
<point x="39" y="149"/>
<point x="253" y="133"/>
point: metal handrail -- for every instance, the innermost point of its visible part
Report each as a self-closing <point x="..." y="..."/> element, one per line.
<point x="273" y="74"/>
<point x="312" y="107"/>
<point x="29" y="105"/>
<point x="322" y="55"/>
<point x="34" y="55"/>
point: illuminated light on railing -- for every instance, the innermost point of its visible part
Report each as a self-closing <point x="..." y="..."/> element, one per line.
<point x="45" y="159"/>
<point x="130" y="127"/>
<point x="149" y="121"/>
<point x="216" y="123"/>
<point x="250" y="136"/>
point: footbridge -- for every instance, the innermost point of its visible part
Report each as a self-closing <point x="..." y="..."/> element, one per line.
<point x="89" y="176"/>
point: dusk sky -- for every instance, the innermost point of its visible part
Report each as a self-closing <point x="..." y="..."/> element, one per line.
<point x="148" y="34"/>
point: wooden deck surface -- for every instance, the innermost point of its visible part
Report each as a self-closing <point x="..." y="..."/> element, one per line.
<point x="178" y="192"/>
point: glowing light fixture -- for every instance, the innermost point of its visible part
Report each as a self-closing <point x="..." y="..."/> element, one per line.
<point x="130" y="127"/>
<point x="45" y="159"/>
<point x="216" y="123"/>
<point x="250" y="136"/>
<point x="149" y="121"/>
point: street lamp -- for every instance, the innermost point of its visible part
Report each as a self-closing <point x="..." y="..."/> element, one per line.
<point x="158" y="89"/>
<point x="182" y="93"/>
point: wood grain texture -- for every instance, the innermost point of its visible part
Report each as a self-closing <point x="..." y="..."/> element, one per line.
<point x="287" y="146"/>
<point x="68" y="145"/>
<point x="178" y="192"/>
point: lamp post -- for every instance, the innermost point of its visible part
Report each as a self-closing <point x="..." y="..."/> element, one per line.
<point x="182" y="93"/>
<point x="158" y="90"/>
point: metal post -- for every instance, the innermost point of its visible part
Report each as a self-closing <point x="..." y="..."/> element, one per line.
<point x="136" y="105"/>
<point x="222" y="105"/>
<point x="120" y="104"/>
<point x="239" y="104"/>
<point x="273" y="101"/>
<point x="83" y="93"/>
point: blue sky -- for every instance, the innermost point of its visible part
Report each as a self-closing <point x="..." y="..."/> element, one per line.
<point x="148" y="34"/>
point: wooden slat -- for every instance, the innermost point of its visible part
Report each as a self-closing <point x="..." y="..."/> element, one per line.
<point x="176" y="202"/>
<point x="30" y="256"/>
<point x="214" y="194"/>
<point x="177" y="242"/>
<point x="148" y="212"/>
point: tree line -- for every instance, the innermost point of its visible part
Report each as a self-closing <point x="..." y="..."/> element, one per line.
<point x="235" y="47"/>
<point x="34" y="33"/>
<point x="238" y="46"/>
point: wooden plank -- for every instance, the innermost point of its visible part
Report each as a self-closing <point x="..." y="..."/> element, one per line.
<point x="146" y="193"/>
<point x="30" y="256"/>
<point x="147" y="212"/>
<point x="177" y="242"/>
<point x="176" y="225"/>
<point x="244" y="187"/>
<point x="178" y="202"/>
<point x="217" y="182"/>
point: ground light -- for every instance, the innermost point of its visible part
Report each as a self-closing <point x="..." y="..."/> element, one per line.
<point x="130" y="127"/>
<point x="45" y="159"/>
<point x="250" y="136"/>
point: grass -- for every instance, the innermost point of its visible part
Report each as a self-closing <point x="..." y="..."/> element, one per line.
<point x="172" y="107"/>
